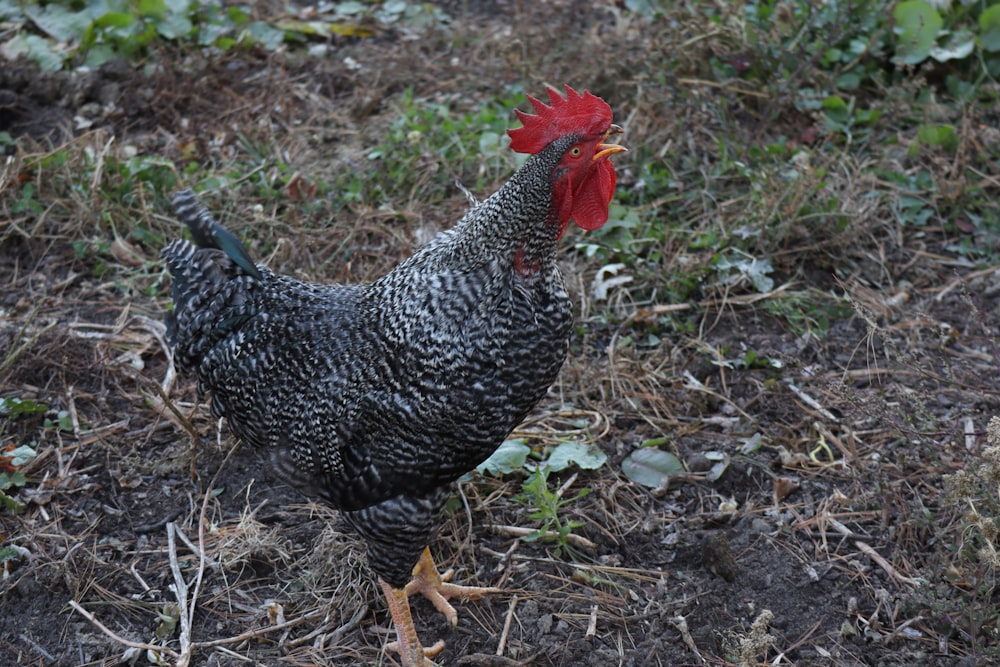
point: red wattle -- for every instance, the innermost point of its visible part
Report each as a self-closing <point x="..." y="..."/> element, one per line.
<point x="590" y="205"/>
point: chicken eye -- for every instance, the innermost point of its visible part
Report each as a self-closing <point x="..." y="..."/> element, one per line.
<point x="575" y="151"/>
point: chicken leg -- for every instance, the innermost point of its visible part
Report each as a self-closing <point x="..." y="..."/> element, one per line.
<point x="435" y="587"/>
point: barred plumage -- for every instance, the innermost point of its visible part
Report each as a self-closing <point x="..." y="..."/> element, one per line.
<point x="377" y="397"/>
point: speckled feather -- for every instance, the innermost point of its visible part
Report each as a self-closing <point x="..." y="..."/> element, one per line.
<point x="376" y="397"/>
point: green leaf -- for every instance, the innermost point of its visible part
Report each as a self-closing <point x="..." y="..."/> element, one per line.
<point x="57" y="21"/>
<point x="12" y="480"/>
<point x="350" y="8"/>
<point x="509" y="456"/>
<point x="721" y="463"/>
<point x="16" y="406"/>
<point x="750" y="267"/>
<point x="115" y="20"/>
<point x="942" y="136"/>
<point x="152" y="8"/>
<point x="64" y="421"/>
<point x="959" y="88"/>
<point x="174" y="25"/>
<point x="867" y="116"/>
<point x="849" y="81"/>
<point x="918" y="25"/>
<point x="10" y="503"/>
<point x="584" y="455"/>
<point x="262" y="33"/>
<point x="651" y="467"/>
<point x="98" y="54"/>
<point x="20" y="455"/>
<point x="757" y="271"/>
<point x="9" y="11"/>
<point x="308" y="28"/>
<point x="751" y="445"/>
<point x="178" y="6"/>
<point x="532" y="536"/>
<point x="958" y="46"/>
<point x="394" y="6"/>
<point x="34" y="48"/>
<point x="837" y="110"/>
<point x="989" y="29"/>
<point x="238" y="15"/>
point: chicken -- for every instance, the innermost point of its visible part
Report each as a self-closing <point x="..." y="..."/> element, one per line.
<point x="377" y="397"/>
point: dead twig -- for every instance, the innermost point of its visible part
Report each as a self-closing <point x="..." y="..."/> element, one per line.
<point x="694" y="384"/>
<point x="329" y="639"/>
<point x="810" y="401"/>
<point x="903" y="626"/>
<point x="964" y="280"/>
<point x="118" y="638"/>
<point x="886" y="565"/>
<point x="591" y="623"/>
<point x="680" y="623"/>
<point x="256" y="632"/>
<point x="727" y="86"/>
<point x="506" y="626"/>
<point x="597" y="427"/>
<point x="33" y="644"/>
<point x="185" y="606"/>
<point x="518" y="531"/>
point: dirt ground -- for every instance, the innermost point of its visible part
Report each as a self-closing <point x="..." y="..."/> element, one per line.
<point x="833" y="541"/>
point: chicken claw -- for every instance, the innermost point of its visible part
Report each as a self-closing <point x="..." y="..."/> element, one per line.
<point x="411" y="651"/>
<point x="435" y="587"/>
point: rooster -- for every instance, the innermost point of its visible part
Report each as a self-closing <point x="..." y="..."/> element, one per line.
<point x="377" y="397"/>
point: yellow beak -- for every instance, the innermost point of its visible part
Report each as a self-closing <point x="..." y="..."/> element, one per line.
<point x="607" y="150"/>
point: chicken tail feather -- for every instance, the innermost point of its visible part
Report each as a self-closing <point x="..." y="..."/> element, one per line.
<point x="207" y="233"/>
<point x="216" y="289"/>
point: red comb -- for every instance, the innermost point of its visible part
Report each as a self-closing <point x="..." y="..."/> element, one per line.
<point x="586" y="115"/>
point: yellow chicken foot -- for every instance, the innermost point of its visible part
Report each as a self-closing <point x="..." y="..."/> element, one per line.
<point x="411" y="651"/>
<point x="433" y="586"/>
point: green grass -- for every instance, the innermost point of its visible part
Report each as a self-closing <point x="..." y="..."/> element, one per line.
<point x="433" y="144"/>
<point x="67" y="33"/>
